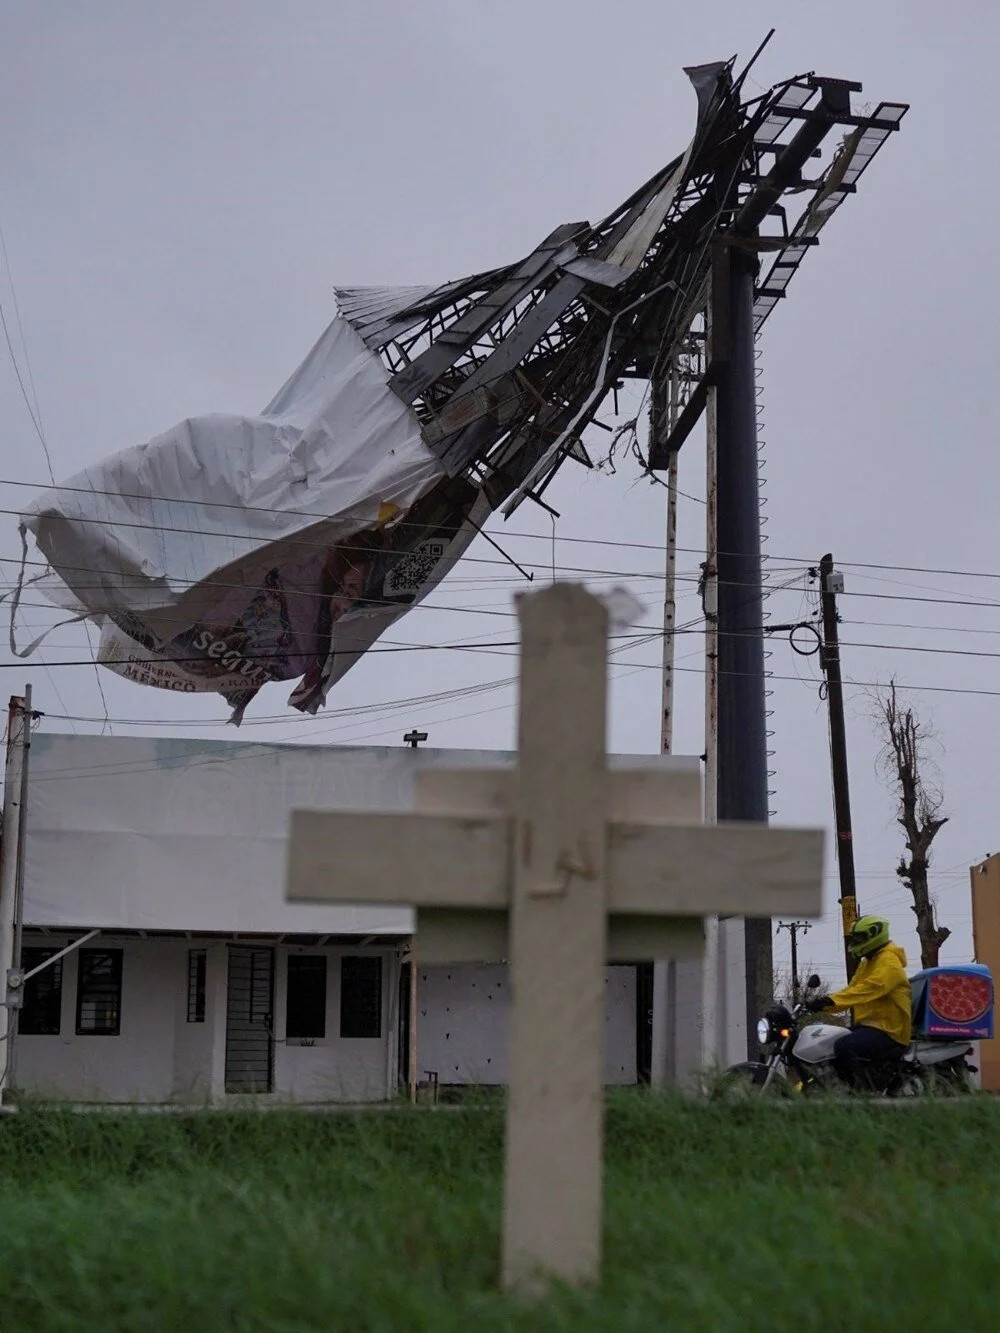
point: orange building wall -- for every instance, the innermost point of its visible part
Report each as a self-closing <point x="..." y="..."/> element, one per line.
<point x="986" y="935"/>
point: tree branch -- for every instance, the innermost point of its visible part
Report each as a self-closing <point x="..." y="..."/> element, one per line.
<point x="918" y="815"/>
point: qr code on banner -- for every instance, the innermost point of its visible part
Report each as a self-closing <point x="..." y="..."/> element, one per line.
<point x="415" y="568"/>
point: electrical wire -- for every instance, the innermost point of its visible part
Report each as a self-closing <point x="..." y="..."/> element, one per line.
<point x="297" y="542"/>
<point x="526" y="536"/>
<point x="932" y="601"/>
<point x="933" y="689"/>
<point x="36" y="421"/>
<point x="354" y="710"/>
<point x="253" y="750"/>
<point x="390" y="645"/>
<point x="930" y="629"/>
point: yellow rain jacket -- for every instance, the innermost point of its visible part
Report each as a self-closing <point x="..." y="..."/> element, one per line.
<point x="879" y="994"/>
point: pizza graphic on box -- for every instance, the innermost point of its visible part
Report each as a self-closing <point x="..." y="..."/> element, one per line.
<point x="959" y="997"/>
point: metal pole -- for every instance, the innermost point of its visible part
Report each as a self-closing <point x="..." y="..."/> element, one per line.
<point x="411" y="1054"/>
<point x="663" y="413"/>
<point x="56" y="957"/>
<point x="742" y="713"/>
<point x="711" y="979"/>
<point x="18" y="721"/>
<point x="830" y="661"/>
<point x="742" y="743"/>
<point x="22" y="825"/>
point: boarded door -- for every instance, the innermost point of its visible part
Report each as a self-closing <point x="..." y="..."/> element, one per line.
<point x="249" y="1009"/>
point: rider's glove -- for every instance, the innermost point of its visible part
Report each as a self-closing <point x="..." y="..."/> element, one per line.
<point x="817" y="1006"/>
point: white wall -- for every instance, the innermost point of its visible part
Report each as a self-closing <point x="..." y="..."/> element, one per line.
<point x="137" y="1065"/>
<point x="335" y="1068"/>
<point x="165" y="834"/>
<point x="161" y="1057"/>
<point x="155" y="833"/>
<point x="462" y="1023"/>
<point x="676" y="1058"/>
<point x="195" y="1043"/>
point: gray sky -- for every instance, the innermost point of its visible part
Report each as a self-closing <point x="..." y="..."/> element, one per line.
<point x="183" y="184"/>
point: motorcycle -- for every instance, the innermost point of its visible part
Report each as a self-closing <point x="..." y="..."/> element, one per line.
<point x="799" y="1054"/>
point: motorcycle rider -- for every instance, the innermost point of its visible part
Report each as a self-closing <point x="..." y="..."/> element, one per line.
<point x="879" y="994"/>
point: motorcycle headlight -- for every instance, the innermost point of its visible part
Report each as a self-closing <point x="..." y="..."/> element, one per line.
<point x="763" y="1031"/>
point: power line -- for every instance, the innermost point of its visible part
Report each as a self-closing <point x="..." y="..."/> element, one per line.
<point x="498" y="650"/>
<point x="465" y="646"/>
<point x="292" y="541"/>
<point x="933" y="601"/>
<point x="922" y="648"/>
<point x="36" y="416"/>
<point x="932" y="629"/>
<point x="352" y="711"/>
<point x="650" y="632"/>
<point x="494" y="609"/>
<point x="291" y="719"/>
<point x="36" y="420"/>
<point x="252" y="588"/>
<point x="24" y="393"/>
<point x="188" y="501"/>
<point x="254" y="749"/>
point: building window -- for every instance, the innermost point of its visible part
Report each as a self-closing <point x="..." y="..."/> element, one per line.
<point x="40" y="1012"/>
<point x="196" y="985"/>
<point x="305" y="1016"/>
<point x="360" y="997"/>
<point x="99" y="993"/>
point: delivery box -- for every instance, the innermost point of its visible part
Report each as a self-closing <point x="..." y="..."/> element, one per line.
<point x="953" y="1002"/>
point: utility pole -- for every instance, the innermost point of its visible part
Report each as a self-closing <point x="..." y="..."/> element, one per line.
<point x="665" y="411"/>
<point x="714" y="990"/>
<point x="413" y="739"/>
<point x="793" y="928"/>
<point x="659" y="982"/>
<point x="830" y="583"/>
<point x="12" y="871"/>
<point x="662" y="419"/>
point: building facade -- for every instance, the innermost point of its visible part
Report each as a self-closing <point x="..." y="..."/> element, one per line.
<point x="198" y="982"/>
<point x="986" y="937"/>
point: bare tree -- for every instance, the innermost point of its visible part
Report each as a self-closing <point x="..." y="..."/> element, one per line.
<point x="784" y="993"/>
<point x="905" y="762"/>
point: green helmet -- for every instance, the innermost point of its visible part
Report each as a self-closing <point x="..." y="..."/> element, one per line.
<point x="868" y="935"/>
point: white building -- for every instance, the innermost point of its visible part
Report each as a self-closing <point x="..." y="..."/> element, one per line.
<point x="201" y="983"/>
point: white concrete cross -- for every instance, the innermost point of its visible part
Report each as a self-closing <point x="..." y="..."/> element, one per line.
<point x="556" y="867"/>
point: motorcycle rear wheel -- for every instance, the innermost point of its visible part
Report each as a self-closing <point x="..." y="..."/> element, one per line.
<point x="953" y="1079"/>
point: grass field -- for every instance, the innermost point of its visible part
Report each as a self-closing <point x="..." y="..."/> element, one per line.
<point x="719" y="1218"/>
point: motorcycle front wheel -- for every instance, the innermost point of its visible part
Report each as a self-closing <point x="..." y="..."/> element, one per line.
<point x="740" y="1082"/>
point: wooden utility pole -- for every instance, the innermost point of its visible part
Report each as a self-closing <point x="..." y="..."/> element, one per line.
<point x="12" y="871"/>
<point x="830" y="583"/>
<point x="659" y="978"/>
<point x="662" y="420"/>
<point x="714" y="989"/>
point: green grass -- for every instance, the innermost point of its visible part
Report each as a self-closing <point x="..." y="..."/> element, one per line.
<point x="719" y="1217"/>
